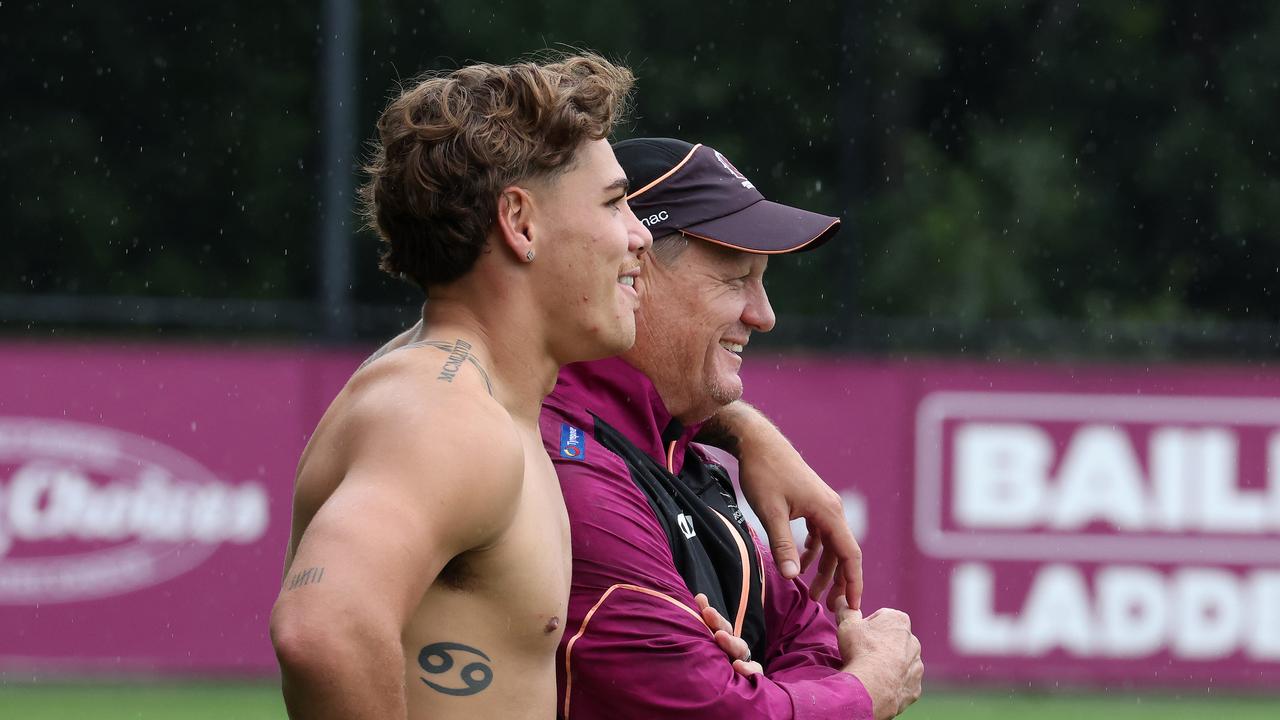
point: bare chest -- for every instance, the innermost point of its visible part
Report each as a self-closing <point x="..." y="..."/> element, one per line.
<point x="523" y="578"/>
<point x="491" y="623"/>
<point x="536" y="551"/>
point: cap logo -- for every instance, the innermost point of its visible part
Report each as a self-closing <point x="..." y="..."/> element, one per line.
<point x="733" y="170"/>
<point x="654" y="219"/>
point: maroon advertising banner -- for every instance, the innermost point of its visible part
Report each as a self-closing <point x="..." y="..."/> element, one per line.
<point x="1061" y="525"/>
<point x="144" y="504"/>
<point x="1070" y="525"/>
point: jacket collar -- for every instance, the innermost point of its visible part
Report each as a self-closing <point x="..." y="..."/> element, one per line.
<point x="625" y="398"/>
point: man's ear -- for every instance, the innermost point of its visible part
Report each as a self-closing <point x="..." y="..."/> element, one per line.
<point x="515" y="221"/>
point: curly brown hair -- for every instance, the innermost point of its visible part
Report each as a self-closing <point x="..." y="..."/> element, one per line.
<point x="448" y="145"/>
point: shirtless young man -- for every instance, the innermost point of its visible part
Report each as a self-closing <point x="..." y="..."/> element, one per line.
<point x="427" y="574"/>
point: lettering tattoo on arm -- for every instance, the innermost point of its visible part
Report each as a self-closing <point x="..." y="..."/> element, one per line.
<point x="310" y="576"/>
<point x="437" y="659"/>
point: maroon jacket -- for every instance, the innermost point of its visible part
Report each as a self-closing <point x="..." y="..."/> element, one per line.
<point x="652" y="517"/>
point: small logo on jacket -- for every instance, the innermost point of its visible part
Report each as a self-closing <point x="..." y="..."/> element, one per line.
<point x="572" y="444"/>
<point x="686" y="525"/>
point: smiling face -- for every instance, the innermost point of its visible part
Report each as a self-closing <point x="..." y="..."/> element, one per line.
<point x="696" y="315"/>
<point x="589" y="245"/>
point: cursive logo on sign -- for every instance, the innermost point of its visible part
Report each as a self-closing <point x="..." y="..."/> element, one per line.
<point x="88" y="511"/>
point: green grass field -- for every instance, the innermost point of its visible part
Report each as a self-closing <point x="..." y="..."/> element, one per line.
<point x="257" y="701"/>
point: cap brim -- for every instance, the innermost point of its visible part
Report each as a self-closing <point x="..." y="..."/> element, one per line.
<point x="767" y="228"/>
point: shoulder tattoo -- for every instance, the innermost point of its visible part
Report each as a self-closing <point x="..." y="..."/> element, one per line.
<point x="459" y="352"/>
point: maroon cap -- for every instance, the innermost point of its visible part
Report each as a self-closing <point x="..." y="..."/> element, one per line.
<point x="693" y="189"/>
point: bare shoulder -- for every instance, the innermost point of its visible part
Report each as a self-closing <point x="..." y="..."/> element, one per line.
<point x="395" y="343"/>
<point x="443" y="442"/>
<point x="416" y="400"/>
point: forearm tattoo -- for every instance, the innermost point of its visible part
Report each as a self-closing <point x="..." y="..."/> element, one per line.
<point x="310" y="576"/>
<point x="437" y="659"/>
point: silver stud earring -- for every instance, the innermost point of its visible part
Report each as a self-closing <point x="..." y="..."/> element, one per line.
<point x="528" y="256"/>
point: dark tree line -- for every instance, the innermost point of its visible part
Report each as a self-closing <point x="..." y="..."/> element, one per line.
<point x="1094" y="162"/>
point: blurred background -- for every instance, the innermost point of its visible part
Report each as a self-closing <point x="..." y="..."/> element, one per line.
<point x="1059" y="217"/>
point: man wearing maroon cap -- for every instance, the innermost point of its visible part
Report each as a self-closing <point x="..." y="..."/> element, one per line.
<point x="660" y="547"/>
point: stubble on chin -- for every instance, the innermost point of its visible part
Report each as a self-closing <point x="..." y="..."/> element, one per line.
<point x="723" y="393"/>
